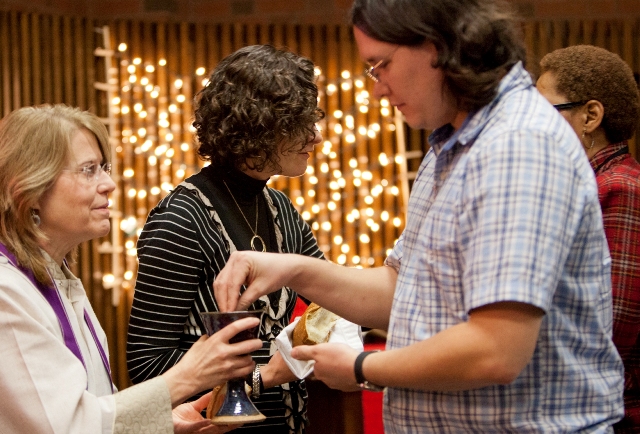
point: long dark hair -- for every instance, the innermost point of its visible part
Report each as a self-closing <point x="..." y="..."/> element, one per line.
<point x="478" y="41"/>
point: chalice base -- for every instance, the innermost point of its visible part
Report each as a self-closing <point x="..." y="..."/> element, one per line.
<point x="232" y="420"/>
<point x="236" y="408"/>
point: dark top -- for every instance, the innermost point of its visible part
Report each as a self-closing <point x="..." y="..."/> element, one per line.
<point x="185" y="242"/>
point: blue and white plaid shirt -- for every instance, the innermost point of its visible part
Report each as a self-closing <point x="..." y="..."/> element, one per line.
<point x="506" y="209"/>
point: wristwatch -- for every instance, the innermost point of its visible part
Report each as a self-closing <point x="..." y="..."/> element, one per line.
<point x="362" y="382"/>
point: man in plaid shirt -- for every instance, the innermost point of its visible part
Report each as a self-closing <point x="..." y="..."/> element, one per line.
<point x="497" y="296"/>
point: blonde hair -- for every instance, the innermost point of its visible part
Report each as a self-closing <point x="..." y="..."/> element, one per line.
<point x="34" y="147"/>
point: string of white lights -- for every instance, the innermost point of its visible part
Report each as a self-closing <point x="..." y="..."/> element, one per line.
<point x="155" y="151"/>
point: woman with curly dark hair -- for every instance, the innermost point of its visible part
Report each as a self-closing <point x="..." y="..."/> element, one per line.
<point x="254" y="119"/>
<point x="596" y="92"/>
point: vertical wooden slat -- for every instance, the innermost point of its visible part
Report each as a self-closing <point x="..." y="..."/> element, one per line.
<point x="529" y="30"/>
<point x="627" y="56"/>
<point x="149" y="177"/>
<point x="25" y="51"/>
<point x="67" y="64"/>
<point x="305" y="50"/>
<point x="213" y="48"/>
<point x="36" y="60"/>
<point x="121" y="376"/>
<point x="174" y="54"/>
<point x="187" y="70"/>
<point x="574" y="32"/>
<point x="47" y="59"/>
<point x="276" y="38"/>
<point x="14" y="47"/>
<point x="331" y="104"/>
<point x="315" y="50"/>
<point x="544" y="31"/>
<point x="589" y="27"/>
<point x="292" y="43"/>
<point x="615" y="44"/>
<point x="79" y="84"/>
<point x="57" y="60"/>
<point x="124" y="32"/>
<point x="132" y="76"/>
<point x="5" y="61"/>
<point x="558" y="33"/>
<point x="92" y="36"/>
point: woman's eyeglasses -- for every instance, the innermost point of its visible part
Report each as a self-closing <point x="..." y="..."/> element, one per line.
<point x="569" y="105"/>
<point x="93" y="171"/>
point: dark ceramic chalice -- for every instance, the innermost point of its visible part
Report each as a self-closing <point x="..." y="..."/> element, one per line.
<point x="237" y="408"/>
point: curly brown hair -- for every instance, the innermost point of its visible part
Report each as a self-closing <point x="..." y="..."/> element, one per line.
<point x="256" y="98"/>
<point x="585" y="72"/>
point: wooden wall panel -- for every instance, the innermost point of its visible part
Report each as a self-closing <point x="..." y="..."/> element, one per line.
<point x="49" y="58"/>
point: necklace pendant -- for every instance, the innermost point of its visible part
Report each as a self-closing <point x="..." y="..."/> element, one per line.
<point x="264" y="247"/>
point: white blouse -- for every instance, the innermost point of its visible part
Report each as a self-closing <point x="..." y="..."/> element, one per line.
<point x="44" y="387"/>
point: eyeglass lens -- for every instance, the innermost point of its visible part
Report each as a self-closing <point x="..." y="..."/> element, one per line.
<point x="370" y="71"/>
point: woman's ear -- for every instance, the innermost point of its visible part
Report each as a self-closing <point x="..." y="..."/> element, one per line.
<point x="594" y="111"/>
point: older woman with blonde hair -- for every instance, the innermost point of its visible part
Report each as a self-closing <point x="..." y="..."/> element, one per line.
<point x="55" y="374"/>
<point x="596" y="93"/>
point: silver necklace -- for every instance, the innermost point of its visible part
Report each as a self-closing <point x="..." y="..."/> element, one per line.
<point x="254" y="231"/>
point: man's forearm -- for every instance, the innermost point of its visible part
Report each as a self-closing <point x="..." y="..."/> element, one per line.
<point x="362" y="296"/>
<point x="493" y="347"/>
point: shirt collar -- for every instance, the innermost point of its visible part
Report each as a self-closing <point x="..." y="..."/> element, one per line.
<point x="599" y="159"/>
<point x="443" y="138"/>
<point x="58" y="272"/>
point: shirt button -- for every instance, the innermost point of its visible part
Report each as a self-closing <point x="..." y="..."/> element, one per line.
<point x="275" y="330"/>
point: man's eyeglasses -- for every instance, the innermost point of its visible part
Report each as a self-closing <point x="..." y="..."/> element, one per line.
<point x="569" y="105"/>
<point x="93" y="171"/>
<point x="370" y="71"/>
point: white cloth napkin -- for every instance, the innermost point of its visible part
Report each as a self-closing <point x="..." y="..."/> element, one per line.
<point x="343" y="332"/>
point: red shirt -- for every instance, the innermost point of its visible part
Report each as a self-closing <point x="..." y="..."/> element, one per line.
<point x="618" y="178"/>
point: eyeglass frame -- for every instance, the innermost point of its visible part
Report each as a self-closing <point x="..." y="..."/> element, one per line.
<point x="86" y="171"/>
<point x="569" y="105"/>
<point x="369" y="71"/>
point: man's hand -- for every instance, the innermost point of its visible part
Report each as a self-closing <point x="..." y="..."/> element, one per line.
<point x="334" y="364"/>
<point x="262" y="273"/>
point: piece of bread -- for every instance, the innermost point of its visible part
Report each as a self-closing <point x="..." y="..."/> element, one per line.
<point x="314" y="326"/>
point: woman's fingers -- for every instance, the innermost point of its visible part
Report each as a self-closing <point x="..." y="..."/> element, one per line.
<point x="228" y="332"/>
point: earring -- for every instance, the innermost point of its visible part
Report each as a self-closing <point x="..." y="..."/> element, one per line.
<point x="593" y="140"/>
<point x="35" y="217"/>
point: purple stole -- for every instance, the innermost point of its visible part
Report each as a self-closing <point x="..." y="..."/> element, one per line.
<point x="52" y="295"/>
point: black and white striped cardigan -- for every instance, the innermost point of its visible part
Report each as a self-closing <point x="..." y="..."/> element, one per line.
<point x="181" y="249"/>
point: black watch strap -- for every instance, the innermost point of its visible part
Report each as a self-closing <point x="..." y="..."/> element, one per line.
<point x="357" y="367"/>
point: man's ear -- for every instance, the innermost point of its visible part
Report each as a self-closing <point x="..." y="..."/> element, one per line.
<point x="594" y="112"/>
